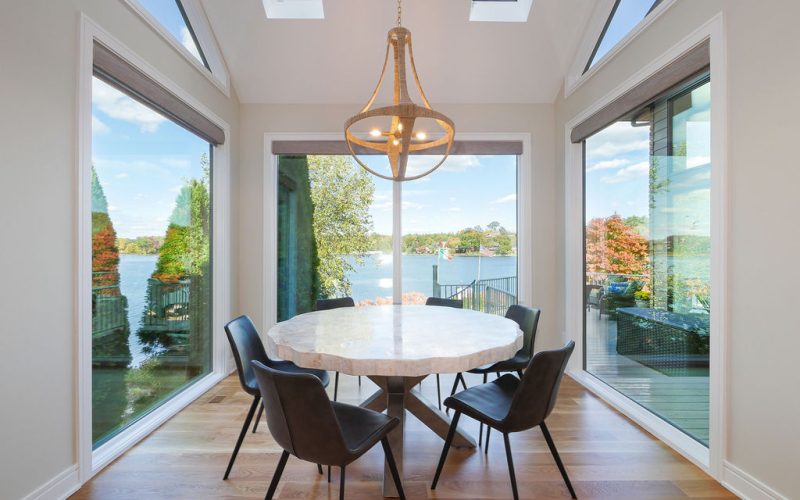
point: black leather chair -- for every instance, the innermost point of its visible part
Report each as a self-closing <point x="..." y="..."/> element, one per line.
<point x="527" y="318"/>
<point x="324" y="305"/>
<point x="436" y="301"/>
<point x="509" y="404"/>
<point x="246" y="347"/>
<point x="306" y="424"/>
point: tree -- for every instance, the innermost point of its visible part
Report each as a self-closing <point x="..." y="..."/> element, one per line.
<point x="105" y="254"/>
<point x="614" y="247"/>
<point x="342" y="194"/>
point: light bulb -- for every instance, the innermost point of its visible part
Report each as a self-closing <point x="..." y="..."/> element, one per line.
<point x="400" y="127"/>
<point x="421" y="136"/>
<point x="396" y="142"/>
<point x="375" y="132"/>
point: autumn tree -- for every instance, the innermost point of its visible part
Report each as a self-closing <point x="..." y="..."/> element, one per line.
<point x="342" y="194"/>
<point x="614" y="247"/>
<point x="105" y="254"/>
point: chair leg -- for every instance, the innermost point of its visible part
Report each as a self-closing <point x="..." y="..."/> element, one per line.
<point x="447" y="442"/>
<point x="557" y="458"/>
<point x="273" y="485"/>
<point x="511" y="467"/>
<point x="258" y="417"/>
<point x="463" y="383"/>
<point x="319" y="469"/>
<point x="329" y="473"/>
<point x="341" y="484"/>
<point x="245" y="427"/>
<point x="519" y="374"/>
<point x="439" y="392"/>
<point x="336" y="386"/>
<point x="480" y="430"/>
<point x="455" y="384"/>
<point x="398" y="483"/>
<point x="486" y="446"/>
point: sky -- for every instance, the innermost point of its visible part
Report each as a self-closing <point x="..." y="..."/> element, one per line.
<point x="167" y="13"/>
<point x="466" y="191"/>
<point x="627" y="15"/>
<point x="142" y="160"/>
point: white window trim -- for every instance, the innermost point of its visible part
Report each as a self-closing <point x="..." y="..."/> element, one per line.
<point x="711" y="459"/>
<point x="576" y="76"/>
<point x="218" y="75"/>
<point x="90" y="462"/>
<point x="270" y="196"/>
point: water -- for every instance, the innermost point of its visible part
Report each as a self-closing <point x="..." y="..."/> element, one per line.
<point x="134" y="271"/>
<point x="373" y="278"/>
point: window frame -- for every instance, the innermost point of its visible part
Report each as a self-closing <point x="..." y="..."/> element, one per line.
<point x="525" y="277"/>
<point x="90" y="461"/>
<point x="577" y="74"/>
<point x="199" y="28"/>
<point x="711" y="459"/>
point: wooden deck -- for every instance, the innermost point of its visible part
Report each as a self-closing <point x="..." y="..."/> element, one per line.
<point x="607" y="456"/>
<point x="680" y="400"/>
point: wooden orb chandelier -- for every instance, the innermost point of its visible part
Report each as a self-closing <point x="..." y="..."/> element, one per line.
<point x="401" y="139"/>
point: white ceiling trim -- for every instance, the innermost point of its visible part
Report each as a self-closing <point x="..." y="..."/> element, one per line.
<point x="516" y="11"/>
<point x="294" y="9"/>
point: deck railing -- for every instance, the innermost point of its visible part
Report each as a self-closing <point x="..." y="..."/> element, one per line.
<point x="492" y="295"/>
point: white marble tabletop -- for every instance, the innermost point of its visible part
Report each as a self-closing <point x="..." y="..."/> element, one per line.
<point x="406" y="341"/>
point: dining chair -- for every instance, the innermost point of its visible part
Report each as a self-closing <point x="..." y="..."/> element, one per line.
<point x="436" y="301"/>
<point x="528" y="319"/>
<point x="509" y="404"/>
<point x="246" y="346"/>
<point x="324" y="305"/>
<point x="308" y="425"/>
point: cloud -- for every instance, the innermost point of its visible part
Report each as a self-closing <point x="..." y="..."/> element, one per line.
<point x="122" y="175"/>
<point x="98" y="127"/>
<point x="509" y="198"/>
<point x="625" y="174"/>
<point x="188" y="43"/>
<point x="619" y="138"/>
<point x="452" y="198"/>
<point x="452" y="209"/>
<point x="418" y="164"/>
<point x="608" y="164"/>
<point x="117" y="105"/>
<point x="412" y="205"/>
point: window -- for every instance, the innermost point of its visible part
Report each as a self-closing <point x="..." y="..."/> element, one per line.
<point x="335" y="224"/>
<point x="625" y="15"/>
<point x="151" y="259"/>
<point x="171" y="15"/>
<point x="648" y="256"/>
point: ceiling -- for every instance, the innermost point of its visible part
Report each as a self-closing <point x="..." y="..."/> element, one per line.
<point x="337" y="60"/>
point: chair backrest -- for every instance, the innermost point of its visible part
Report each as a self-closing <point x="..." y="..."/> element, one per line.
<point x="436" y="301"/>
<point x="300" y="416"/>
<point x="528" y="320"/>
<point x="325" y="304"/>
<point x="246" y="347"/>
<point x="536" y="395"/>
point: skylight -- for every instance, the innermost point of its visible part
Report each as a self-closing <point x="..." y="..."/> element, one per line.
<point x="294" y="9"/>
<point x="170" y="15"/>
<point x="625" y="15"/>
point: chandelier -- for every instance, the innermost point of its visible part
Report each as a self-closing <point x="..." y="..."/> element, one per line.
<point x="400" y="138"/>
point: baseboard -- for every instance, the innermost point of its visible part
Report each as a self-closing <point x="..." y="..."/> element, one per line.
<point x="744" y="485"/>
<point x="59" y="487"/>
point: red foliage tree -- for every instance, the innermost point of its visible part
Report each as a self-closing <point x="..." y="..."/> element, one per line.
<point x="614" y="247"/>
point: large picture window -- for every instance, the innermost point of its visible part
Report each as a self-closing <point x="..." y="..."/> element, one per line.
<point x="151" y="259"/>
<point x="335" y="229"/>
<point x="648" y="256"/>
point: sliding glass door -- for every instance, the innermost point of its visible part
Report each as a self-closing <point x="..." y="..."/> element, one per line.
<point x="151" y="260"/>
<point x="648" y="256"/>
<point x="334" y="223"/>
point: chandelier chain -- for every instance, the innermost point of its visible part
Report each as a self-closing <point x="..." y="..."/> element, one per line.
<point x="399" y="12"/>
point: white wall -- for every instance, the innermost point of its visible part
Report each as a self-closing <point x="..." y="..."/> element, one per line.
<point x="538" y="120"/>
<point x="38" y="93"/>
<point x="763" y="334"/>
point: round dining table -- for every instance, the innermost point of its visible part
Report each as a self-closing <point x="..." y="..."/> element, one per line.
<point x="396" y="347"/>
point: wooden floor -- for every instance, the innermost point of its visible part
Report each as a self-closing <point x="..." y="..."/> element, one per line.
<point x="607" y="456"/>
<point x="681" y="400"/>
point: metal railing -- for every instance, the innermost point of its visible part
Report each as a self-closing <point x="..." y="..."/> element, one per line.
<point x="492" y="295"/>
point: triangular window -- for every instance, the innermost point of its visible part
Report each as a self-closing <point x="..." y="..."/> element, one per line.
<point x="171" y="15"/>
<point x="625" y="15"/>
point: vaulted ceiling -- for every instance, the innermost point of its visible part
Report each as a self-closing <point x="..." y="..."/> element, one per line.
<point x="338" y="59"/>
